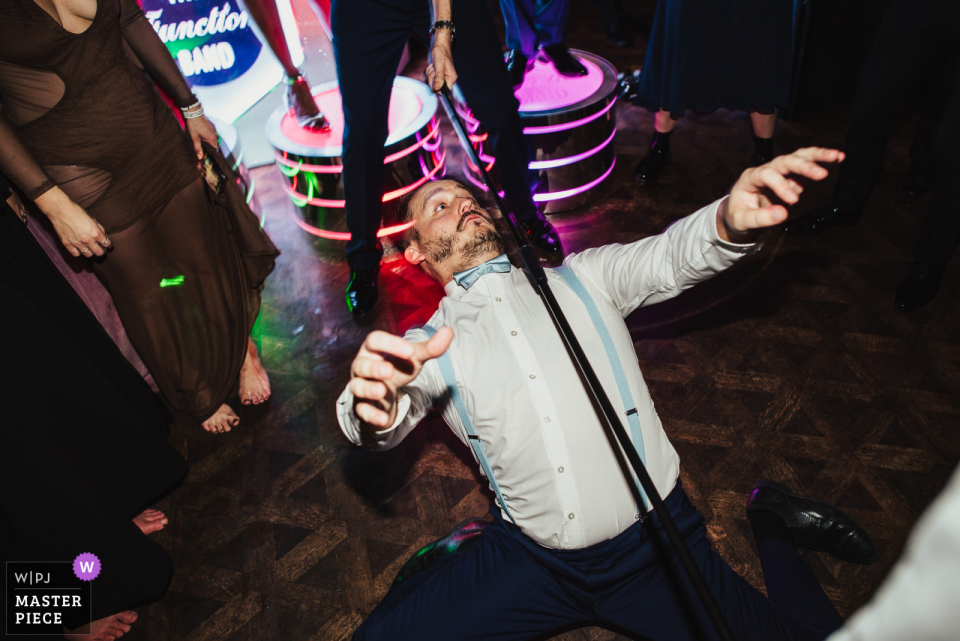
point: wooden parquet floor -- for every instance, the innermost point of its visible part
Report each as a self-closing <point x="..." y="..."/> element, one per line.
<point x="792" y="366"/>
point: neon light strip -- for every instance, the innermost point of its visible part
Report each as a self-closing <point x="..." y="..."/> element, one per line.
<point x="337" y="204"/>
<point x="345" y="235"/>
<point x="557" y="195"/>
<point x="569" y="160"/>
<point x="479" y="184"/>
<point x="546" y="129"/>
<point x="336" y="169"/>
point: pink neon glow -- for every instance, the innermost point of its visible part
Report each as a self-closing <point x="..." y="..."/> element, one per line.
<point x="390" y="195"/>
<point x="569" y="160"/>
<point x="405" y="106"/>
<point x="563" y="126"/>
<point x="336" y="169"/>
<point x="543" y="88"/>
<point x="345" y="235"/>
<point x="566" y="193"/>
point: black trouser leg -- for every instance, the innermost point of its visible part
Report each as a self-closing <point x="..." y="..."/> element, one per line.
<point x="940" y="230"/>
<point x="913" y="37"/>
<point x="368" y="40"/>
<point x="483" y="79"/>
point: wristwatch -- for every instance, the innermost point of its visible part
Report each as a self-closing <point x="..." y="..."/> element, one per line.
<point x="444" y="24"/>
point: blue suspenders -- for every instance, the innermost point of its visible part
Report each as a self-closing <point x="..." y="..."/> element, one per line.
<point x="450" y="380"/>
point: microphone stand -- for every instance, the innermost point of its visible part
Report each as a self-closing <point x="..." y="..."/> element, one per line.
<point x="607" y="413"/>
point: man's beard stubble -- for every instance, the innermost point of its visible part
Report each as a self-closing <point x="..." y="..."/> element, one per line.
<point x="465" y="250"/>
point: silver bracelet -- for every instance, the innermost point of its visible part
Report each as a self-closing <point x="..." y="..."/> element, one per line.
<point x="195" y="105"/>
<point x="193" y="114"/>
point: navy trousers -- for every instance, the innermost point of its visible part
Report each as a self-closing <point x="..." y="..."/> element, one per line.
<point x="368" y="41"/>
<point x="531" y="24"/>
<point x="505" y="586"/>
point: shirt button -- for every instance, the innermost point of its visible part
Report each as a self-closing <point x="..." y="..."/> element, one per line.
<point x="532" y="376"/>
<point x="513" y="333"/>
<point x="560" y="469"/>
<point x="546" y="419"/>
<point x="498" y="299"/>
<point x="570" y="516"/>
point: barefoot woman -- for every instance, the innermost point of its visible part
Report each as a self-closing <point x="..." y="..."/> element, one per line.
<point x="85" y="134"/>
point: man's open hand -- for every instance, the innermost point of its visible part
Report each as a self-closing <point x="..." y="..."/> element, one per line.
<point x="750" y="207"/>
<point x="384" y="364"/>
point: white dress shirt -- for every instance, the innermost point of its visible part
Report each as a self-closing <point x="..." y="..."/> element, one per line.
<point x="554" y="464"/>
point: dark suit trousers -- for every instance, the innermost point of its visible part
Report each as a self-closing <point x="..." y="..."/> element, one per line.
<point x="531" y="24"/>
<point x="915" y="38"/>
<point x="506" y="586"/>
<point x="368" y="40"/>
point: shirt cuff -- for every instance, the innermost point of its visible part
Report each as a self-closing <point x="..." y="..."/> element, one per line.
<point x="350" y="423"/>
<point x="737" y="248"/>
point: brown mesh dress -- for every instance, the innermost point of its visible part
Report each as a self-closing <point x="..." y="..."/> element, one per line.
<point x="77" y="113"/>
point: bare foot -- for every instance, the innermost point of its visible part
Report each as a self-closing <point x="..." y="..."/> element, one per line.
<point x="149" y="521"/>
<point x="105" y="629"/>
<point x="222" y="421"/>
<point x="254" y="384"/>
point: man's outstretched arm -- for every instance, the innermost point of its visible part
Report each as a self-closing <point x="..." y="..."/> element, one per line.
<point x="705" y="243"/>
<point x="384" y="399"/>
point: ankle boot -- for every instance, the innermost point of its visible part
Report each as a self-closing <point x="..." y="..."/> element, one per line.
<point x="648" y="169"/>
<point x="762" y="151"/>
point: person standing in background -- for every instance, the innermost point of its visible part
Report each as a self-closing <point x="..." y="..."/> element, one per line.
<point x="707" y="55"/>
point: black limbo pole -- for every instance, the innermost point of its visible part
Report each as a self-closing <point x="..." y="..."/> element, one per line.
<point x="532" y="264"/>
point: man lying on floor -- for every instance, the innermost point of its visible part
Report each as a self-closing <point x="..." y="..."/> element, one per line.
<point x="573" y="540"/>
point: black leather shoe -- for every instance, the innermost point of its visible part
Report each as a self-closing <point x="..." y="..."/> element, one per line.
<point x="814" y="524"/>
<point x="362" y="293"/>
<point x="819" y="220"/>
<point x="563" y="62"/>
<point x="917" y="182"/>
<point x="919" y="286"/>
<point x="517" y="67"/>
<point x="648" y="169"/>
<point x="542" y="235"/>
<point x="762" y="151"/>
<point x="463" y="535"/>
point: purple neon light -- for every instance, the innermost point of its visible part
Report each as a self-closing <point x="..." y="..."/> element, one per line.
<point x="569" y="160"/>
<point x="546" y="129"/>
<point x="566" y="193"/>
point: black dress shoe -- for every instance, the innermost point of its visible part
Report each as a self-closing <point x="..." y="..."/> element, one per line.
<point x="617" y="34"/>
<point x="648" y="169"/>
<point x="563" y="62"/>
<point x="542" y="235"/>
<point x="814" y="525"/>
<point x="517" y="67"/>
<point x="819" y="220"/>
<point x="462" y="536"/>
<point x="762" y="151"/>
<point x="919" y="286"/>
<point x="362" y="293"/>
<point x="917" y="182"/>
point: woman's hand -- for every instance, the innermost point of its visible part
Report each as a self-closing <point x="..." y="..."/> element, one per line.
<point x="77" y="230"/>
<point x="202" y="130"/>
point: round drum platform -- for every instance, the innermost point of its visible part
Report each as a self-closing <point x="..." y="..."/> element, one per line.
<point x="569" y="127"/>
<point x="313" y="170"/>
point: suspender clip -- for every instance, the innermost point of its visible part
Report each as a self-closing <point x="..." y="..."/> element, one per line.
<point x="631" y="411"/>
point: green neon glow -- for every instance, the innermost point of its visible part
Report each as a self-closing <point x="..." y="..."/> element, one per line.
<point x="171" y="282"/>
<point x="290" y="172"/>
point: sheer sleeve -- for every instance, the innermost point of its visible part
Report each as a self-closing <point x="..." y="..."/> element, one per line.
<point x="153" y="54"/>
<point x="18" y="164"/>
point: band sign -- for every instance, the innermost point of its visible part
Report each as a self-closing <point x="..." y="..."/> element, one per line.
<point x="211" y="40"/>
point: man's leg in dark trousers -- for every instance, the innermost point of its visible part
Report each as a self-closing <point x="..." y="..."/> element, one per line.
<point x="483" y="79"/>
<point x="659" y="602"/>
<point x="519" y="18"/>
<point x="913" y="37"/>
<point x="493" y="589"/>
<point x="551" y="22"/>
<point x="940" y="230"/>
<point x="368" y="41"/>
